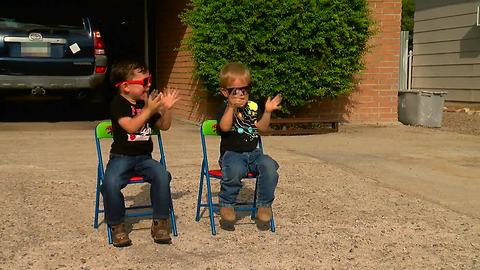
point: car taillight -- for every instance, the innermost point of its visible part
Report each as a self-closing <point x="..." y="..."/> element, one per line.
<point x="98" y="43"/>
<point x="100" y="69"/>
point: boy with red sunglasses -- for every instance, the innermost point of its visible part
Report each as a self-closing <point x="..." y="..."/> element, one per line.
<point x="133" y="114"/>
<point x="239" y="123"/>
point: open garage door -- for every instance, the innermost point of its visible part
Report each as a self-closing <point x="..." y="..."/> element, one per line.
<point x="126" y="27"/>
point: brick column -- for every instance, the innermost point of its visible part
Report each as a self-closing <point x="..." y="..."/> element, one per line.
<point x="375" y="99"/>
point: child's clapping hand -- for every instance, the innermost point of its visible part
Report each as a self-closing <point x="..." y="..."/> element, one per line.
<point x="153" y="101"/>
<point x="273" y="104"/>
<point x="169" y="97"/>
<point x="237" y="100"/>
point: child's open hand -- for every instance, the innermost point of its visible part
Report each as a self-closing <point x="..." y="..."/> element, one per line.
<point x="154" y="93"/>
<point x="153" y="102"/>
<point x="169" y="97"/>
<point x="273" y="104"/>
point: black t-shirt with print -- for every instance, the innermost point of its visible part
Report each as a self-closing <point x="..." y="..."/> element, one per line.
<point x="124" y="143"/>
<point x="244" y="134"/>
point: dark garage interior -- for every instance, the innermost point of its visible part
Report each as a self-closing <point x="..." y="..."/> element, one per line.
<point x="127" y="28"/>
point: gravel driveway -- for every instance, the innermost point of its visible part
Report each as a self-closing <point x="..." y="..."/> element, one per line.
<point x="328" y="216"/>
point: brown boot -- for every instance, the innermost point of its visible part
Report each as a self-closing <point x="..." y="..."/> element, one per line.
<point x="120" y="236"/>
<point x="264" y="214"/>
<point x="228" y="214"/>
<point x="161" y="231"/>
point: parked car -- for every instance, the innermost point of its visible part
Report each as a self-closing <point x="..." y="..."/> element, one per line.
<point x="50" y="55"/>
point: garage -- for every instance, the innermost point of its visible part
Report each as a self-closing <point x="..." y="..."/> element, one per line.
<point x="127" y="29"/>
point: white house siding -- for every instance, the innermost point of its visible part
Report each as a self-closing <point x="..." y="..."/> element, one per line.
<point x="446" y="48"/>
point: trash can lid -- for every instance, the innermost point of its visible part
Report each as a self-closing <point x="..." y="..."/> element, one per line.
<point x="442" y="93"/>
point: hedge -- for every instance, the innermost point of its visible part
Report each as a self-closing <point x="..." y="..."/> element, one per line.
<point x="302" y="49"/>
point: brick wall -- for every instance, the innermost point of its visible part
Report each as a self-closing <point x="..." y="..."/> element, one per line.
<point x="174" y="65"/>
<point x="373" y="101"/>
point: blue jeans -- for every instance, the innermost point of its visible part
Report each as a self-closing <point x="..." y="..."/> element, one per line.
<point x="119" y="170"/>
<point x="235" y="166"/>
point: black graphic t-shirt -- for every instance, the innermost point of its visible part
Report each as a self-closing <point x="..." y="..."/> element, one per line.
<point x="124" y="143"/>
<point x="244" y="134"/>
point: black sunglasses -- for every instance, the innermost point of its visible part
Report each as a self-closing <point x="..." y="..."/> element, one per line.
<point x="237" y="90"/>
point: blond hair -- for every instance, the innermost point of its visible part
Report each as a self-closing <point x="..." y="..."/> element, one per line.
<point x="232" y="71"/>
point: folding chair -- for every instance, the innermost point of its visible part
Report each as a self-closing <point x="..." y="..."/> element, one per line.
<point x="209" y="128"/>
<point x="104" y="131"/>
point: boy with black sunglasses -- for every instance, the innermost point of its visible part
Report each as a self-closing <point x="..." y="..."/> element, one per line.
<point x="133" y="114"/>
<point x="239" y="123"/>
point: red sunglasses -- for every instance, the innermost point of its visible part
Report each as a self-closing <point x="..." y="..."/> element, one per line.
<point x="144" y="82"/>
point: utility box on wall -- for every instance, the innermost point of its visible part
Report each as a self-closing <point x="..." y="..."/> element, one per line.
<point x="424" y="108"/>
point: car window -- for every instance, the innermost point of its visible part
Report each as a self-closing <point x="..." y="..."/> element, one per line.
<point x="47" y="13"/>
<point x="71" y="22"/>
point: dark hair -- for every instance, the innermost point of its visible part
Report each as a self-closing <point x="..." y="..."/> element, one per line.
<point x="122" y="70"/>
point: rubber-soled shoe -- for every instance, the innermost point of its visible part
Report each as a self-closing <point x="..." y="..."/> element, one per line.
<point x="161" y="231"/>
<point x="264" y="214"/>
<point x="228" y="214"/>
<point x="120" y="236"/>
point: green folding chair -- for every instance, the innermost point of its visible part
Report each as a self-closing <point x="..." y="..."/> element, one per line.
<point x="104" y="131"/>
<point x="209" y="128"/>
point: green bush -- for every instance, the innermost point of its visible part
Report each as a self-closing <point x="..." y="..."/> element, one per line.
<point x="303" y="49"/>
<point x="408" y="11"/>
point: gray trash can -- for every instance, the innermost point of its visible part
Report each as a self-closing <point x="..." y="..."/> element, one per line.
<point x="424" y="108"/>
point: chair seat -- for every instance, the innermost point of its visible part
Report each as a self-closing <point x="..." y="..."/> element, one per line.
<point x="136" y="179"/>
<point x="218" y="174"/>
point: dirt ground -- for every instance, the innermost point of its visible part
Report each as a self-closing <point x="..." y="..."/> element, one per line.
<point x="461" y="122"/>
<point x="329" y="215"/>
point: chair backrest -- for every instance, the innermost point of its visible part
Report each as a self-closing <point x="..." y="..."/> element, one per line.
<point x="209" y="128"/>
<point x="103" y="130"/>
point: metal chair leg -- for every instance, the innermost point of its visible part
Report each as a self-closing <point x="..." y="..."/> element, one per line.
<point x="173" y="220"/>
<point x="210" y="206"/>
<point x="254" y="206"/>
<point x="97" y="205"/>
<point x="272" y="224"/>
<point x="109" y="234"/>
<point x="199" y="199"/>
